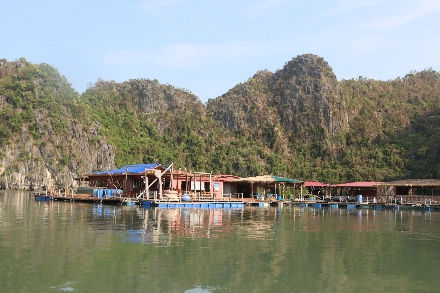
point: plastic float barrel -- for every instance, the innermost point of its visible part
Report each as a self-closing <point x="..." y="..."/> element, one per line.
<point x="108" y="192"/>
<point x="185" y="197"/>
<point x="279" y="197"/>
<point x="147" y="204"/>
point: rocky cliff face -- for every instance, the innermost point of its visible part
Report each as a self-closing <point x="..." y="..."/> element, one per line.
<point x="53" y="162"/>
<point x="300" y="103"/>
<point x="308" y="98"/>
<point x="43" y="144"/>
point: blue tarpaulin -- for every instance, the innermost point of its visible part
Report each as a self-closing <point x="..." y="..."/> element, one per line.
<point x="130" y="169"/>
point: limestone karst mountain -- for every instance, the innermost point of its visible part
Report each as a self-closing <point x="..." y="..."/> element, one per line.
<point x="299" y="122"/>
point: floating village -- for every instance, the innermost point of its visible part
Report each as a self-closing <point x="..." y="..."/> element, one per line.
<point x="155" y="185"/>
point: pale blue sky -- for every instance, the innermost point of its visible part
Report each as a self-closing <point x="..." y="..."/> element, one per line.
<point x="208" y="47"/>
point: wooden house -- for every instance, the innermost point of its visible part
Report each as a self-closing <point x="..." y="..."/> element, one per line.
<point x="317" y="189"/>
<point x="159" y="181"/>
<point x="271" y="185"/>
<point x="366" y="190"/>
<point x="410" y="191"/>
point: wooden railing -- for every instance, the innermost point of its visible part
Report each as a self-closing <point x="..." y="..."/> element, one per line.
<point x="410" y="199"/>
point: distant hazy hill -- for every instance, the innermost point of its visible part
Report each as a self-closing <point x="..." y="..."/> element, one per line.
<point x="299" y="121"/>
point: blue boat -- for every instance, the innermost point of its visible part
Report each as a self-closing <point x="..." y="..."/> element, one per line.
<point x="40" y="197"/>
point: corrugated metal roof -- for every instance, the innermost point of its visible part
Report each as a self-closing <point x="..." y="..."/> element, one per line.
<point x="285" y="180"/>
<point x="129" y="169"/>
<point x="315" y="184"/>
<point x="413" y="182"/>
<point x="257" y="179"/>
<point x="265" y="179"/>
<point x="358" y="184"/>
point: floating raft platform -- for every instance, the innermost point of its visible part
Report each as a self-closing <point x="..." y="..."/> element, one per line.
<point x="357" y="205"/>
<point x="81" y="198"/>
<point x="331" y="205"/>
<point x="208" y="204"/>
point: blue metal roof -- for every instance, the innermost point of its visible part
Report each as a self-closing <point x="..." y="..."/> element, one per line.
<point x="129" y="169"/>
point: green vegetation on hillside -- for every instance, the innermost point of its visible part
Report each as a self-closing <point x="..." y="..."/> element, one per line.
<point x="298" y="122"/>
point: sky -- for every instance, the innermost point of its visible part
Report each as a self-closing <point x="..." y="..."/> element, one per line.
<point x="208" y="47"/>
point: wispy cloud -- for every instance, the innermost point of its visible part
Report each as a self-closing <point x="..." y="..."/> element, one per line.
<point x="189" y="55"/>
<point x="346" y="6"/>
<point x="418" y="9"/>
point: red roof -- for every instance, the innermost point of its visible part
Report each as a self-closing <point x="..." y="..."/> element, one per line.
<point x="357" y="184"/>
<point x="315" y="184"/>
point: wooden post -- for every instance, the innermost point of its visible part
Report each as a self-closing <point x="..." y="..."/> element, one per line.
<point x="160" y="186"/>
<point x="200" y="187"/>
<point x="195" y="189"/>
<point x="171" y="178"/>
<point x="147" y="187"/>
<point x="146" y="184"/>
<point x="125" y="181"/>
<point x="211" y="187"/>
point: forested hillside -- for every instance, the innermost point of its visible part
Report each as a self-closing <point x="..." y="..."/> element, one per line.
<point x="299" y="122"/>
<point x="339" y="131"/>
<point x="47" y="137"/>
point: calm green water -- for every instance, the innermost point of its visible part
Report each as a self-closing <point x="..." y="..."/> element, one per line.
<point x="74" y="247"/>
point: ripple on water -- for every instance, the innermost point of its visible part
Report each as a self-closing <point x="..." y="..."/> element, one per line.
<point x="66" y="287"/>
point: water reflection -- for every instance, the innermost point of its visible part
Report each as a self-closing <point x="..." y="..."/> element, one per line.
<point x="63" y="246"/>
<point x="153" y="226"/>
<point x="164" y="225"/>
